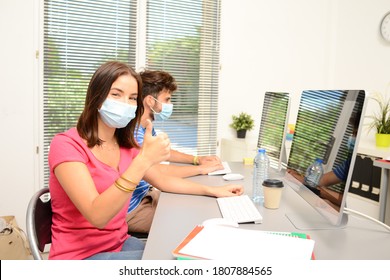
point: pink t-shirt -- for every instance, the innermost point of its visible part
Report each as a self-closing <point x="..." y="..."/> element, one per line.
<point x="73" y="237"/>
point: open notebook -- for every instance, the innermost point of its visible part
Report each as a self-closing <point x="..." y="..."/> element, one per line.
<point x="217" y="242"/>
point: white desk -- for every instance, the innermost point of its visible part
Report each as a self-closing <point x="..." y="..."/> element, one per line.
<point x="176" y="216"/>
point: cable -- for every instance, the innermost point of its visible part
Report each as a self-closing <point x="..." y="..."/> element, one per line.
<point x="350" y="211"/>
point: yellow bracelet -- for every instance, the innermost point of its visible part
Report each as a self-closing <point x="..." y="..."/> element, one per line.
<point x="128" y="180"/>
<point x="195" y="162"/>
<point x="123" y="188"/>
<point x="120" y="187"/>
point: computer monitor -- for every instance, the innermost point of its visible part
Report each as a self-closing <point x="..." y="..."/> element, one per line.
<point x="273" y="126"/>
<point x="325" y="122"/>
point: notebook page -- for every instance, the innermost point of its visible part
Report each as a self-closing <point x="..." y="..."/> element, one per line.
<point x="227" y="243"/>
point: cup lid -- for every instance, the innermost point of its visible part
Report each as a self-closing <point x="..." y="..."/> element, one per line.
<point x="273" y="183"/>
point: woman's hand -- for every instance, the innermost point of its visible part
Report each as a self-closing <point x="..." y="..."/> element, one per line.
<point x="228" y="190"/>
<point x="174" y="184"/>
<point x="155" y="149"/>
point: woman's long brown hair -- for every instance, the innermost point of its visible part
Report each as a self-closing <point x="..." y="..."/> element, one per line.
<point x="98" y="89"/>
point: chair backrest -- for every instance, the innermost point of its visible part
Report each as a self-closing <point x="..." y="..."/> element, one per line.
<point x="38" y="222"/>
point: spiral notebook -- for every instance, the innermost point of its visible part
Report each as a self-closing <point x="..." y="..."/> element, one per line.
<point x="228" y="243"/>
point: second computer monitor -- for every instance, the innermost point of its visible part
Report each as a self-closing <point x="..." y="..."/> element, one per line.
<point x="328" y="124"/>
<point x="273" y="126"/>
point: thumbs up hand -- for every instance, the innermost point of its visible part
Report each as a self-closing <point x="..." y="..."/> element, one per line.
<point x="155" y="149"/>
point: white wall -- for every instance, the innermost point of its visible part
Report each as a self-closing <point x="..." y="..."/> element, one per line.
<point x="290" y="46"/>
<point x="278" y="45"/>
<point x="18" y="122"/>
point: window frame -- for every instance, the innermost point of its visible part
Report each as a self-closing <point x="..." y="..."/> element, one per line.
<point x="140" y="63"/>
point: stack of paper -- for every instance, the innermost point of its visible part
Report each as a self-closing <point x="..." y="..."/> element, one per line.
<point x="228" y="243"/>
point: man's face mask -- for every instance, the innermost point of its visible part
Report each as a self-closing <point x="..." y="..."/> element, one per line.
<point x="117" y="114"/>
<point x="351" y="143"/>
<point x="165" y="113"/>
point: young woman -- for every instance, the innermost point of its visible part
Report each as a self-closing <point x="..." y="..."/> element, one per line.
<point x="95" y="167"/>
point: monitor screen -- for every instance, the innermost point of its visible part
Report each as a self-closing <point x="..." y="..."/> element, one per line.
<point x="273" y="127"/>
<point x="328" y="124"/>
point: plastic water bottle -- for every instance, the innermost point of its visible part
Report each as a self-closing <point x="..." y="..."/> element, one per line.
<point x="260" y="173"/>
<point x="314" y="173"/>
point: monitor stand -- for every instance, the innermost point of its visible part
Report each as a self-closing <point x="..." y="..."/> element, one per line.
<point x="314" y="221"/>
<point x="283" y="157"/>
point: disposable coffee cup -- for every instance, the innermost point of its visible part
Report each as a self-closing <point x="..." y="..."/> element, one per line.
<point x="272" y="193"/>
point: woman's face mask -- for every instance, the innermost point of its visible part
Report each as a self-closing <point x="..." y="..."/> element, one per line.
<point x="165" y="113"/>
<point x="117" y="114"/>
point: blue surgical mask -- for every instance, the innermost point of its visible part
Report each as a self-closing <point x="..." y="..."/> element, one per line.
<point x="351" y="143"/>
<point x="165" y="113"/>
<point x="117" y="114"/>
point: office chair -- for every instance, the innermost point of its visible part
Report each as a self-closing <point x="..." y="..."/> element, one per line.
<point x="38" y="220"/>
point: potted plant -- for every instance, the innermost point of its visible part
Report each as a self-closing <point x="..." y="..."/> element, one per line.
<point x="381" y="120"/>
<point x="242" y="123"/>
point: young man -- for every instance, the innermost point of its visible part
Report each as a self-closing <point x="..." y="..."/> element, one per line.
<point x="158" y="87"/>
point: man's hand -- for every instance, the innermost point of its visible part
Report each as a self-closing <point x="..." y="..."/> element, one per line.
<point x="207" y="160"/>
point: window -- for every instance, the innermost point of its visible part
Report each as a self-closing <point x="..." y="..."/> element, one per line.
<point x="78" y="37"/>
<point x="182" y="37"/>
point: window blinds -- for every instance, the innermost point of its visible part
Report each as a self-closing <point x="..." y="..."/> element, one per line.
<point x="273" y="126"/>
<point x="78" y="37"/>
<point x="316" y="121"/>
<point x="321" y="117"/>
<point x="182" y="38"/>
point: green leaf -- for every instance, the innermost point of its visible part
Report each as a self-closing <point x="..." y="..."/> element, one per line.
<point x="380" y="121"/>
<point x="242" y="122"/>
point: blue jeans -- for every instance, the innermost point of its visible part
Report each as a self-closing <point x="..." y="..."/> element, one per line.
<point x="132" y="249"/>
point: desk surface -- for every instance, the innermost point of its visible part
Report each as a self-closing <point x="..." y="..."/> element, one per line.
<point x="177" y="215"/>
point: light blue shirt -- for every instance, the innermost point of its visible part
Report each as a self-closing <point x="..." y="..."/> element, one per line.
<point x="341" y="171"/>
<point x="143" y="187"/>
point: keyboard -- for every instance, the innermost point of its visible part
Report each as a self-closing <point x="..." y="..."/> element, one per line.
<point x="240" y="209"/>
<point x="226" y="169"/>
